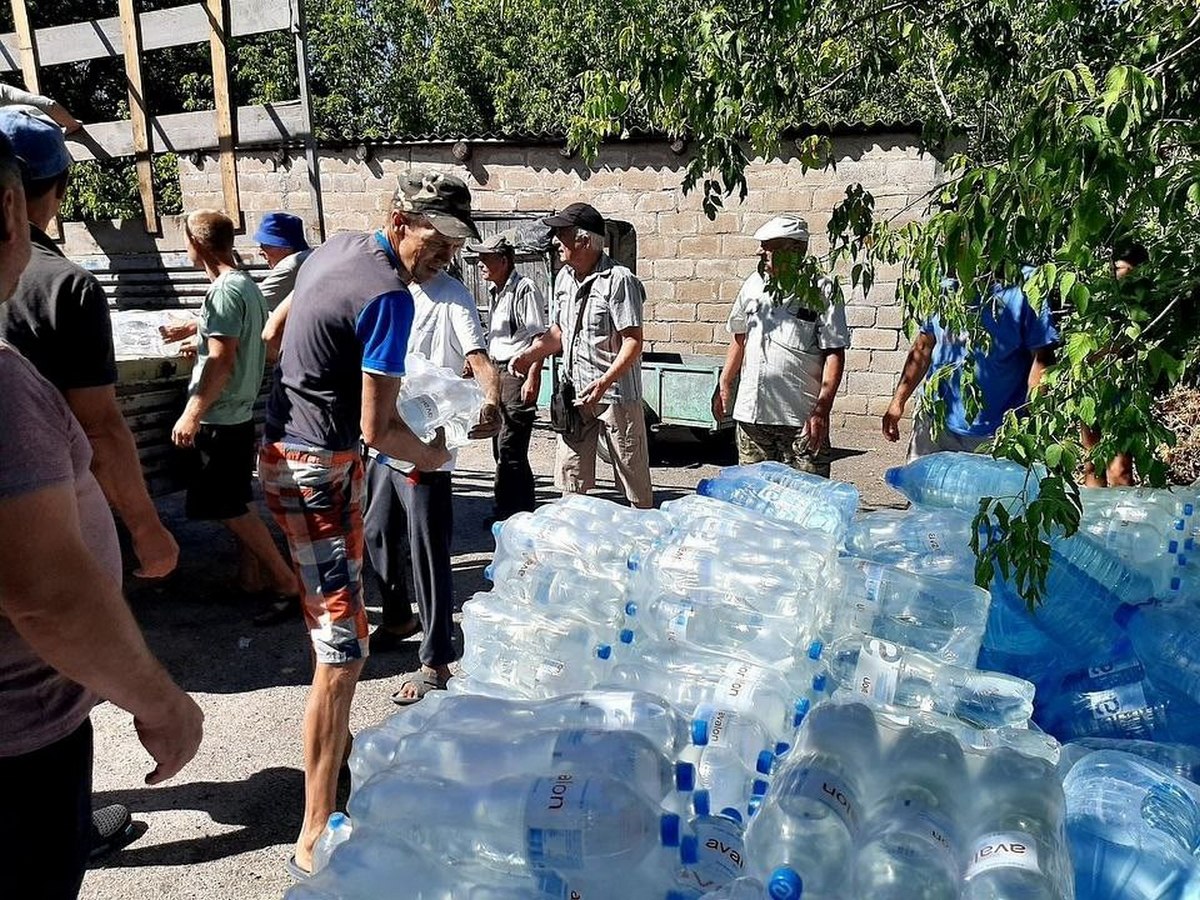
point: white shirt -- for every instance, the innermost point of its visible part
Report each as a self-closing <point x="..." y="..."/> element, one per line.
<point x="445" y="329"/>
<point x="518" y="316"/>
<point x="784" y="360"/>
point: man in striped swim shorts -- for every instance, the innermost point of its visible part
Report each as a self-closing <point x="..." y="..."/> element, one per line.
<point x="339" y="374"/>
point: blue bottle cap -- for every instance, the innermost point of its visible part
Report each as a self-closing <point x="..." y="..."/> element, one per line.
<point x="1173" y="546"/>
<point x="489" y="572"/>
<point x="1188" y="509"/>
<point x="705" y="487"/>
<point x="765" y="762"/>
<point x="894" y="476"/>
<point x="1125" y="612"/>
<point x="670" y="830"/>
<point x="819" y="682"/>
<point x="336" y="820"/>
<point x="626" y="636"/>
<point x="753" y="805"/>
<point x="782" y="747"/>
<point x="1176" y="583"/>
<point x="1189" y="544"/>
<point x="700" y="732"/>
<point x="759" y="787"/>
<point x="604" y="651"/>
<point x="702" y="802"/>
<point x="802" y="707"/>
<point x="1179" y="525"/>
<point x="785" y="884"/>
<point x="685" y="776"/>
<point x="497" y="527"/>
<point x="732" y="814"/>
<point x="1181" y="561"/>
<point x="634" y="562"/>
<point x="631" y="608"/>
<point x="815" y="649"/>
<point x="689" y="850"/>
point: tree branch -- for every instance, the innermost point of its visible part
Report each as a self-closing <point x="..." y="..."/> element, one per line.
<point x="1156" y="67"/>
<point x="937" y="86"/>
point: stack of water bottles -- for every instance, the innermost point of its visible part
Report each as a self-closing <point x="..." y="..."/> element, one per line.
<point x="752" y="694"/>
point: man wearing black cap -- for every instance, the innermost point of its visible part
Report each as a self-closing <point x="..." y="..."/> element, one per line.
<point x="517" y="319"/>
<point x="598" y="326"/>
<point x="338" y="379"/>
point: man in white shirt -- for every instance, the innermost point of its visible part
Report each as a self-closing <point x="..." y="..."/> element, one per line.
<point x="402" y="500"/>
<point x="518" y="317"/>
<point x="789" y="358"/>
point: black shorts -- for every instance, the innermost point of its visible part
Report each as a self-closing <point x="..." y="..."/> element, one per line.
<point x="220" y="468"/>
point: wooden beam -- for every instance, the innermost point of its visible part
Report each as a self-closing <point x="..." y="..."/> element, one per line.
<point x="175" y="27"/>
<point x="218" y="23"/>
<point x="138" y="113"/>
<point x="26" y="47"/>
<point x="273" y="124"/>
<point x="311" y="158"/>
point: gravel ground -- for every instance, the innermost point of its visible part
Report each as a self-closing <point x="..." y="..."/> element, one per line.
<point x="225" y="826"/>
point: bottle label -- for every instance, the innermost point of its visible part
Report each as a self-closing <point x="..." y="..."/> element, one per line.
<point x="1003" y="850"/>
<point x="425" y="406"/>
<point x="1113" y="668"/>
<point x="722" y="852"/>
<point x="917" y="818"/>
<point x="554" y="806"/>
<point x="828" y="788"/>
<point x="867" y="607"/>
<point x="1118" y="702"/>
<point x="548" y="670"/>
<point x="738" y="682"/>
<point x="678" y="614"/>
<point x="878" y="670"/>
<point x="718" y="728"/>
<point x="934" y="540"/>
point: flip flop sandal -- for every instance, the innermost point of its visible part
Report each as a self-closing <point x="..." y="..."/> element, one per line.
<point x="297" y="873"/>
<point x="423" y="682"/>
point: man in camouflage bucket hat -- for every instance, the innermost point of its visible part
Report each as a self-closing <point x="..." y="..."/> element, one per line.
<point x="339" y="375"/>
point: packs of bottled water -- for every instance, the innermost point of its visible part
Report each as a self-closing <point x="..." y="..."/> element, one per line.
<point x="842" y="495"/>
<point x="962" y="480"/>
<point x="1181" y="760"/>
<point x="136" y="333"/>
<point x="1134" y="828"/>
<point x="946" y="618"/>
<point x="793" y="506"/>
<point x="890" y="535"/>
<point x="433" y="397"/>
<point x="1166" y="639"/>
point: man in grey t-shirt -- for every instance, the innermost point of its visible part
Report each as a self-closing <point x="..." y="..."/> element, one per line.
<point x="597" y="324"/>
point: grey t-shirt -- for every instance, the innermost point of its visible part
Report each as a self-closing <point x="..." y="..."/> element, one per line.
<point x="41" y="445"/>
<point x="614" y="299"/>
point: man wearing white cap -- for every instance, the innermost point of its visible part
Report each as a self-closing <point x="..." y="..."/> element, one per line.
<point x="789" y="358"/>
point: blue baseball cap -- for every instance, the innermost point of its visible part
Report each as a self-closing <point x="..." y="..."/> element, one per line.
<point x="37" y="142"/>
<point x="279" y="229"/>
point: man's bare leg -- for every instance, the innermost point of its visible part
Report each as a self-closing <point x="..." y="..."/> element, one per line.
<point x="253" y="534"/>
<point x="326" y="736"/>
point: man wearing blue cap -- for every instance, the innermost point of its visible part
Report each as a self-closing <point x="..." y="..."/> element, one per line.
<point x="58" y="319"/>
<point x="280" y="238"/>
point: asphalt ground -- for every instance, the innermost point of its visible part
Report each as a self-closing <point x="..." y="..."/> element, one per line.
<point x="225" y="826"/>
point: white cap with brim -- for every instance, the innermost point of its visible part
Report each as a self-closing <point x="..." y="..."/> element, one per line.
<point x="787" y="226"/>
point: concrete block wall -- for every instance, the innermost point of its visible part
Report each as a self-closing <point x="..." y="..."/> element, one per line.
<point x="691" y="266"/>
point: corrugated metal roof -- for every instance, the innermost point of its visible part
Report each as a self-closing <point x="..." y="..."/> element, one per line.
<point x="834" y="129"/>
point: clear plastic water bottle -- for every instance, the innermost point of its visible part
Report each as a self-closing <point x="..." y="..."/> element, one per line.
<point x="480" y="757"/>
<point x="946" y="566"/>
<point x="1016" y="643"/>
<point x="337" y="831"/>
<point x="755" y="536"/>
<point x="1133" y="828"/>
<point x="728" y="783"/>
<point x="432" y="397"/>
<point x="583" y="827"/>
<point x="811" y="817"/>
<point x="842" y="495"/>
<point x="912" y="842"/>
<point x="691" y="507"/>
<point x="772" y="585"/>
<point x="783" y="885"/>
<point x="714" y="851"/>
<point x="695" y="678"/>
<point x="1180" y="760"/>
<point x="1017" y="847"/>
<point x="741" y="734"/>
<point x="890" y="534"/>
<point x="555" y="591"/>
<point x="585" y="545"/>
<point x="715" y="620"/>
<point x="522" y="672"/>
<point x="961" y="480"/>
<point x="946" y="618"/>
<point x="1137" y="504"/>
<point x="891" y="673"/>
<point x="1167" y="641"/>
<point x="777" y="501"/>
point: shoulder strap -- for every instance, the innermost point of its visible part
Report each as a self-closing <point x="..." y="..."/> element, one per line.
<point x="585" y="287"/>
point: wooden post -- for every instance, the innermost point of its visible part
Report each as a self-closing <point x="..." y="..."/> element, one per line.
<point x="312" y="161"/>
<point x="218" y="21"/>
<point x="131" y="41"/>
<point x="25" y="42"/>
